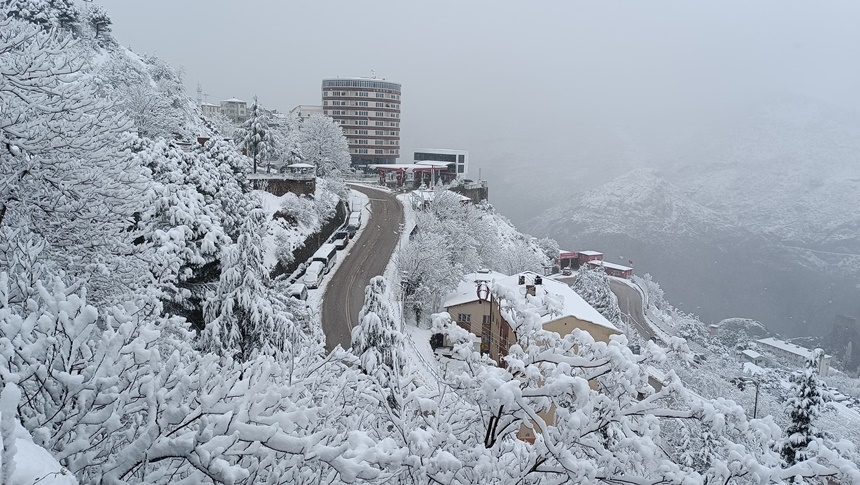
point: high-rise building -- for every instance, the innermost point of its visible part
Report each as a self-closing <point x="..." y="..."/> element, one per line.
<point x="368" y="111"/>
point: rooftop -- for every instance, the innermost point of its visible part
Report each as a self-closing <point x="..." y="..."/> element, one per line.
<point x="788" y="347"/>
<point x="590" y="253"/>
<point x="550" y="294"/>
<point x="232" y="100"/>
<point x="606" y="264"/>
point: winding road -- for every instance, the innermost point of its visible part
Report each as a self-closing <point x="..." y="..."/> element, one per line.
<point x="630" y="303"/>
<point x="368" y="256"/>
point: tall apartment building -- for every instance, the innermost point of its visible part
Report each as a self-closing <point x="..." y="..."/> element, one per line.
<point x="368" y="111"/>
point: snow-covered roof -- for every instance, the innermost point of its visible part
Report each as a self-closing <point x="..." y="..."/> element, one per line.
<point x="609" y="265"/>
<point x="407" y="166"/>
<point x="300" y="165"/>
<point x="788" y="347"/>
<point x="467" y="289"/>
<point x="427" y="195"/>
<point x="564" y="253"/>
<point x="210" y="104"/>
<point x="590" y="253"/>
<point x="434" y="163"/>
<point x="571" y="303"/>
<point x="752" y="354"/>
<point x="232" y="100"/>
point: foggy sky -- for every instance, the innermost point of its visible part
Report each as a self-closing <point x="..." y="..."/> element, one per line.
<point x="513" y="78"/>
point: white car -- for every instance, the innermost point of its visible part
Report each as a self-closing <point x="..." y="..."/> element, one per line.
<point x="313" y="275"/>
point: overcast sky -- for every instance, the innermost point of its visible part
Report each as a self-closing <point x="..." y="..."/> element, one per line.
<point x="513" y="76"/>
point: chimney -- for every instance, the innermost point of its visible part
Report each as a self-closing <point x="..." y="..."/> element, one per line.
<point x="522" y="280"/>
<point x="530" y="289"/>
<point x="538" y="280"/>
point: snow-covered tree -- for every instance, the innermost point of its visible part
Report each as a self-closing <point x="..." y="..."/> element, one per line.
<point x="377" y="340"/>
<point x="804" y="406"/>
<point x="98" y="20"/>
<point x="245" y="317"/>
<point x="593" y="286"/>
<point x="46" y="14"/>
<point x="323" y="144"/>
<point x="255" y="137"/>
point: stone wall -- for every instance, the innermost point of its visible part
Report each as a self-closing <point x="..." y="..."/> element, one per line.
<point x="313" y="242"/>
<point x="280" y="186"/>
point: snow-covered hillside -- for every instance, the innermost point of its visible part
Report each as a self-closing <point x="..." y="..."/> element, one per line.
<point x="715" y="267"/>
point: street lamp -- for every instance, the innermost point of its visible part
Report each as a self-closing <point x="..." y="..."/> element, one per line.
<point x="742" y="383"/>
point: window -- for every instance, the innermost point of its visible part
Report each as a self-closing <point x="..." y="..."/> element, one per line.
<point x="380" y="105"/>
<point x="362" y="122"/>
<point x="459" y="169"/>
<point x="361" y="132"/>
<point x="379" y="152"/>
<point x="362" y="150"/>
<point x="379" y="142"/>
<point x="362" y="103"/>
<point x="380" y="114"/>
<point x="380" y="123"/>
<point x="362" y="113"/>
<point x="380" y="95"/>
<point x="361" y="142"/>
<point x="325" y="103"/>
<point x="486" y="319"/>
<point x="392" y="142"/>
<point x="380" y="133"/>
<point x="362" y="94"/>
<point x="464" y="317"/>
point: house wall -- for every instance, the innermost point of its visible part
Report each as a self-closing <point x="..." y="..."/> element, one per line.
<point x="565" y="325"/>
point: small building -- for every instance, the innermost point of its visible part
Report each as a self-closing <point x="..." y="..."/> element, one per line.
<point x="586" y="256"/>
<point x="409" y="175"/>
<point x="458" y="158"/>
<point x="752" y="356"/>
<point x="792" y="354"/>
<point x="298" y="178"/>
<point x="567" y="259"/>
<point x="305" y="111"/>
<point x="209" y="110"/>
<point x="235" y="109"/>
<point x="612" y="269"/>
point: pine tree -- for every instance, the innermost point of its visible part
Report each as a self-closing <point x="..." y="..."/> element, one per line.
<point x="803" y="407"/>
<point x="255" y="136"/>
<point x="245" y="317"/>
<point x="377" y="340"/>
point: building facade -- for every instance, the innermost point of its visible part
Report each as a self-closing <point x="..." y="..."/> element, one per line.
<point x="368" y="111"/>
<point x="235" y="109"/>
<point x="210" y="110"/>
<point x="792" y="354"/>
<point x="305" y="111"/>
<point x="458" y="158"/>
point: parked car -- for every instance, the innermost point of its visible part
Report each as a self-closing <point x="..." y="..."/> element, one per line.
<point x="313" y="275"/>
<point x="341" y="238"/>
<point x="298" y="291"/>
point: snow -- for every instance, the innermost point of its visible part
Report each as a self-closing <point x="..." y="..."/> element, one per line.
<point x="590" y="253"/>
<point x="571" y="303"/>
<point x="605" y="264"/>
<point x="752" y="354"/>
<point x="33" y="464"/>
<point x="232" y="100"/>
<point x="465" y="291"/>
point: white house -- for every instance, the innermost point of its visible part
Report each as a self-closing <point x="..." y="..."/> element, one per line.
<point x="793" y="354"/>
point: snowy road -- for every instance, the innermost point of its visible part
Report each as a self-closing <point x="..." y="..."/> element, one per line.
<point x="630" y="302"/>
<point x="368" y="257"/>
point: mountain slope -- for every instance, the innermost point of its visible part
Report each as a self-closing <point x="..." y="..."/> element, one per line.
<point x="715" y="268"/>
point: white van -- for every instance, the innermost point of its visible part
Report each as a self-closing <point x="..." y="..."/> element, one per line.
<point x="313" y="275"/>
<point x="327" y="255"/>
<point x="354" y="223"/>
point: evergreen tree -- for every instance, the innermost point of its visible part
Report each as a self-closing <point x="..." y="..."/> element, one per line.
<point x="377" y="340"/>
<point x="255" y="137"/>
<point x="245" y="317"/>
<point x="803" y="407"/>
<point x="593" y="286"/>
